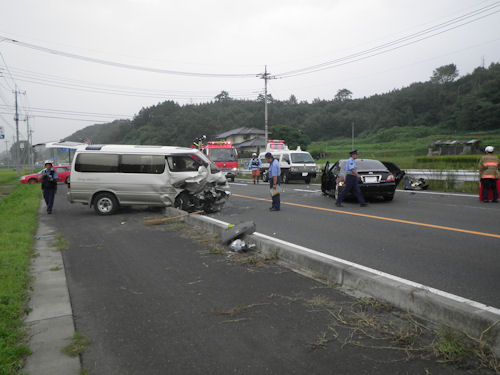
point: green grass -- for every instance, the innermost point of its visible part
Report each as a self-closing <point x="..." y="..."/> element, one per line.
<point x="8" y="177"/>
<point x="78" y="345"/>
<point x="406" y="151"/>
<point x="16" y="249"/>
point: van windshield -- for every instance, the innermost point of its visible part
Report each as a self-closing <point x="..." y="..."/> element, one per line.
<point x="302" y="157"/>
<point x="185" y="163"/>
<point x="223" y="154"/>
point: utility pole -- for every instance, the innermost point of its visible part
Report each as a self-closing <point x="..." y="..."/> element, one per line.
<point x="29" y="137"/>
<point x="265" y="76"/>
<point x="352" y="135"/>
<point x="16" y="119"/>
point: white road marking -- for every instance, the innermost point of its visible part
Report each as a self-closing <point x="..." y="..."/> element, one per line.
<point x="440" y="193"/>
<point x="235" y="183"/>
<point x="410" y="283"/>
<point x="308" y="191"/>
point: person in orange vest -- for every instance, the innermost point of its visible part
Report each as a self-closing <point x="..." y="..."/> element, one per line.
<point x="488" y="169"/>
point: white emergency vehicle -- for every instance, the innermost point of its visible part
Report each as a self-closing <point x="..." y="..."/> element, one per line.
<point x="294" y="164"/>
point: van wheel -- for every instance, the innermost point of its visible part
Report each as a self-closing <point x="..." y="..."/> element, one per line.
<point x="66" y="181"/>
<point x="105" y="204"/>
<point x="232" y="179"/>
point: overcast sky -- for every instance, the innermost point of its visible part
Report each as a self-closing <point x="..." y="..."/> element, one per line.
<point x="223" y="37"/>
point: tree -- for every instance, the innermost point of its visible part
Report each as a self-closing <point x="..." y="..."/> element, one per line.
<point x="444" y="74"/>
<point x="292" y="136"/>
<point x="343" y="95"/>
<point x="223" y="97"/>
<point x="292" y="100"/>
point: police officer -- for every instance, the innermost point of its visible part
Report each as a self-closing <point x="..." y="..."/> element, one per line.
<point x="255" y="166"/>
<point x="351" y="181"/>
<point x="488" y="168"/>
<point x="274" y="174"/>
<point x="49" y="184"/>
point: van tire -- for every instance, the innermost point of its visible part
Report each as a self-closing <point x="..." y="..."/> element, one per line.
<point x="105" y="204"/>
<point x="66" y="181"/>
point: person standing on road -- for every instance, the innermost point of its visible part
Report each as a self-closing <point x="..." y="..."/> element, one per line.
<point x="351" y="181"/>
<point x="49" y="184"/>
<point x="274" y="174"/>
<point x="488" y="168"/>
<point x="255" y="166"/>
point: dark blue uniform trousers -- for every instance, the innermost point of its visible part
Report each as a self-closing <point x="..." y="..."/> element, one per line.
<point x="48" y="195"/>
<point x="276" y="198"/>
<point x="351" y="183"/>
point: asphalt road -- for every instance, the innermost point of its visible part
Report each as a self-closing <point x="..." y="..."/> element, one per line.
<point x="421" y="237"/>
<point x="152" y="301"/>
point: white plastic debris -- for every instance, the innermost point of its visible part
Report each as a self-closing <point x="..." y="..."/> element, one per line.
<point x="237" y="246"/>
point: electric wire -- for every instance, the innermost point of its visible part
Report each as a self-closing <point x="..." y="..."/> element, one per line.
<point x="122" y="65"/>
<point x="396" y="44"/>
<point x="63" y="111"/>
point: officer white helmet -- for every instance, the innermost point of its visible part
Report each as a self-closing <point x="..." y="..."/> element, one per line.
<point x="49" y="162"/>
<point x="489" y="149"/>
<point x="254" y="154"/>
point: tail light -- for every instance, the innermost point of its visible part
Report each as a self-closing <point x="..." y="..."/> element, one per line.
<point x="340" y="182"/>
<point x="390" y="178"/>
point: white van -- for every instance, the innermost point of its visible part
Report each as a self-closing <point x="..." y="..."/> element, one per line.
<point x="107" y="176"/>
<point x="295" y="165"/>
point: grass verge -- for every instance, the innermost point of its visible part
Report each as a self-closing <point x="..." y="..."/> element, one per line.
<point x="18" y="223"/>
<point x="79" y="345"/>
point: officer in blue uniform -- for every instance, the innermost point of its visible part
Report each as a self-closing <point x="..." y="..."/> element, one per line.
<point x="351" y="181"/>
<point x="274" y="174"/>
<point x="49" y="178"/>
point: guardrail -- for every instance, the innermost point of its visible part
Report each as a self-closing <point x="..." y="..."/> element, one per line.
<point x="428" y="174"/>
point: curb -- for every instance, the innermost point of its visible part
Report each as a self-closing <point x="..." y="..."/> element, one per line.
<point x="437" y="306"/>
<point x="50" y="321"/>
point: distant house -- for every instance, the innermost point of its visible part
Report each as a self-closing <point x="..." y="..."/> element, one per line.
<point x="245" y="139"/>
<point x="454" y="147"/>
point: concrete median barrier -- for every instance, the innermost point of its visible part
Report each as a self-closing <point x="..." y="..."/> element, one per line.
<point x="434" y="305"/>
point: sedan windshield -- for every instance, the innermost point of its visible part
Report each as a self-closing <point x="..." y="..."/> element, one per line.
<point x="302" y="157"/>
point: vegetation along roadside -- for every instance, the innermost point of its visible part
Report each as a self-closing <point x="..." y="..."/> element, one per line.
<point x="18" y="223"/>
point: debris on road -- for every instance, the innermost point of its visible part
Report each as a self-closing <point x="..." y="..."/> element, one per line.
<point x="237" y="231"/>
<point x="415" y="184"/>
<point x="167" y="219"/>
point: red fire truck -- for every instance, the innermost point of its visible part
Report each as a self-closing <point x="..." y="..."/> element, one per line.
<point x="224" y="155"/>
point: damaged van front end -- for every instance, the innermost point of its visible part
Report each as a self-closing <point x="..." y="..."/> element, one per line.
<point x="109" y="176"/>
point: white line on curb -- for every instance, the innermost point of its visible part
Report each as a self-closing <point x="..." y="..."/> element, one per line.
<point x="413" y="284"/>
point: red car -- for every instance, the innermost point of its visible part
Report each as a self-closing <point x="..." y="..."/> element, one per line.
<point x="63" y="172"/>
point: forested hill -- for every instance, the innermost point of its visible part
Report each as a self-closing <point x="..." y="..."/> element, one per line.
<point x="471" y="102"/>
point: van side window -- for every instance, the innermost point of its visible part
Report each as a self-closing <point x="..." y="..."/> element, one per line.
<point x="96" y="162"/>
<point x="152" y="164"/>
<point x="184" y="163"/>
<point x="286" y="158"/>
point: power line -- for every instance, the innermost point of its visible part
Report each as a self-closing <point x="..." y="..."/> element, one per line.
<point x="398" y="43"/>
<point x="63" y="111"/>
<point x="121" y="65"/>
<point x="63" y="118"/>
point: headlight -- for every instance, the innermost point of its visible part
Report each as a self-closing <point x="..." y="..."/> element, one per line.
<point x="234" y="169"/>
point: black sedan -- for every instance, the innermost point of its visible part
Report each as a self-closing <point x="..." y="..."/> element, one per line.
<point x="378" y="178"/>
